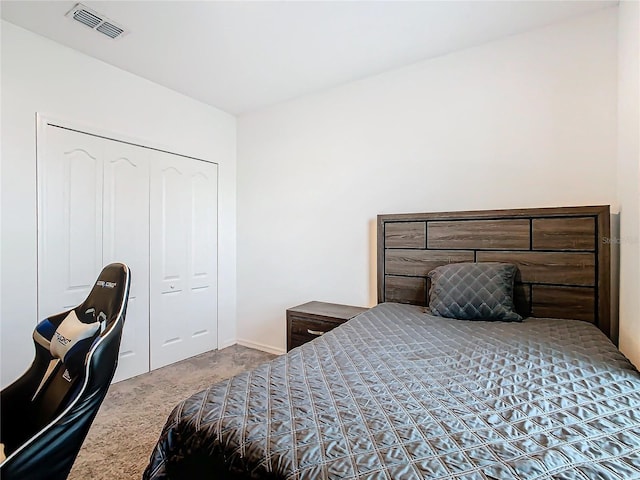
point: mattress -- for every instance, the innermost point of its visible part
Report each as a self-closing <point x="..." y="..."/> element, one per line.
<point x="398" y="394"/>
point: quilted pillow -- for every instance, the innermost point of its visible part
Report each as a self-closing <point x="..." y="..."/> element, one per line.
<point x="69" y="341"/>
<point x="72" y="336"/>
<point x="473" y="291"/>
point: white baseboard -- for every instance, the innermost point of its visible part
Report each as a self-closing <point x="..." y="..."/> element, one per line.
<point x="261" y="346"/>
<point x="227" y="343"/>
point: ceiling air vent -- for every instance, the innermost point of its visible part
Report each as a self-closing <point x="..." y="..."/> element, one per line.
<point x="95" y="21"/>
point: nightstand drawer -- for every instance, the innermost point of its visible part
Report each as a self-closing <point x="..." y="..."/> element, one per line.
<point x="313" y="327"/>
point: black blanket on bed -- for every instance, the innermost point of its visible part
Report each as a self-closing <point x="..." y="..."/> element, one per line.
<point x="398" y="394"/>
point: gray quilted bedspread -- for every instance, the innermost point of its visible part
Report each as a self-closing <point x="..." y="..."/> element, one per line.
<point x="397" y="394"/>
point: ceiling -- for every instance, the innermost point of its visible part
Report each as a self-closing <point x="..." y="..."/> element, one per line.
<point x="241" y="56"/>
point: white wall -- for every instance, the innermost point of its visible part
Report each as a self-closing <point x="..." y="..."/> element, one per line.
<point x="41" y="76"/>
<point x="629" y="176"/>
<point x="527" y="121"/>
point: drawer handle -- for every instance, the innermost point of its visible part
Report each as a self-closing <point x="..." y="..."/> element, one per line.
<point x="315" y="332"/>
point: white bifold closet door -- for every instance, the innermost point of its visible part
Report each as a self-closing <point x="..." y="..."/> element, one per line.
<point x="126" y="239"/>
<point x="70" y="182"/>
<point x="98" y="203"/>
<point x="183" y="269"/>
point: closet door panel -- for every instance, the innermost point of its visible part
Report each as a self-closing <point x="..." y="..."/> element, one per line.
<point x="183" y="258"/>
<point x="204" y="226"/>
<point x="174" y="199"/>
<point x="203" y="264"/>
<point x="70" y="178"/>
<point x="126" y="239"/>
<point x="170" y="309"/>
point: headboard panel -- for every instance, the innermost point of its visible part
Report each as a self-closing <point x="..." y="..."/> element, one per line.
<point x="562" y="254"/>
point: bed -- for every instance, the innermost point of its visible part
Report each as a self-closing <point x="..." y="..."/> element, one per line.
<point x="400" y="393"/>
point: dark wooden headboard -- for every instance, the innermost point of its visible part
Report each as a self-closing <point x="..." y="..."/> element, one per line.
<point x="562" y="254"/>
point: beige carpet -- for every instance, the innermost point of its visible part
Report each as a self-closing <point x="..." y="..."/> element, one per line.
<point x="134" y="411"/>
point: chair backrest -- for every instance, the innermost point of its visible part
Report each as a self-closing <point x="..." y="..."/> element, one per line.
<point x="76" y="358"/>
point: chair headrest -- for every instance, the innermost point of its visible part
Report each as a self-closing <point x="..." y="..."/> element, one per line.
<point x="108" y="292"/>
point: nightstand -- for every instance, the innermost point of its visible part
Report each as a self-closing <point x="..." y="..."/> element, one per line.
<point x="310" y="320"/>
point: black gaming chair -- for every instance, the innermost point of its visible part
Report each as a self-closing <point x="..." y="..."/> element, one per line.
<point x="47" y="412"/>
